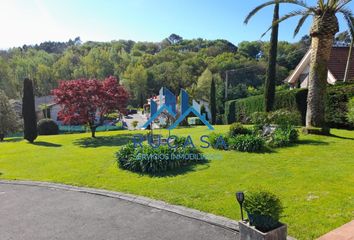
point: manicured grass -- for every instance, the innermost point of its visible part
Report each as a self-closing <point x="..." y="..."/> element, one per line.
<point x="314" y="179"/>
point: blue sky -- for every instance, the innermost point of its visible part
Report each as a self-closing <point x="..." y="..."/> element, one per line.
<point x="35" y="21"/>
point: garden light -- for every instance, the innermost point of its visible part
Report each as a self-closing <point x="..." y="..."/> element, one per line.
<point x="240" y="198"/>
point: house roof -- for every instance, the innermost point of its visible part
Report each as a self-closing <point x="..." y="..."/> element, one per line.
<point x="338" y="61"/>
<point x="336" y="66"/>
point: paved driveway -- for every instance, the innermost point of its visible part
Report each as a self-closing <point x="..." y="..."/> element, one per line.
<point x="36" y="213"/>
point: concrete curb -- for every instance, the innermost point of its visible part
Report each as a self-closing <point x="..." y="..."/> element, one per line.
<point x="180" y="210"/>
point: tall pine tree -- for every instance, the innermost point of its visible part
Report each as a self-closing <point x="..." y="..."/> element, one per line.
<point x="213" y="101"/>
<point x="29" y="112"/>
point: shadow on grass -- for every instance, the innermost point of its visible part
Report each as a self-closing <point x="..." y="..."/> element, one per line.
<point x="180" y="171"/>
<point x="336" y="136"/>
<point x="15" y="139"/>
<point x="310" y="142"/>
<point x="109" y="141"/>
<point x="46" y="144"/>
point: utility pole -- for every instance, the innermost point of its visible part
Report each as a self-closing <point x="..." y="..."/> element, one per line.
<point x="348" y="60"/>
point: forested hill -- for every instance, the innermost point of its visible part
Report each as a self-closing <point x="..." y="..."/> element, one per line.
<point x="143" y="67"/>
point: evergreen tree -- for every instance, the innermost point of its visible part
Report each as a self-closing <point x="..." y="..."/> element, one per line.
<point x="29" y="112"/>
<point x="213" y="101"/>
<point x="269" y="91"/>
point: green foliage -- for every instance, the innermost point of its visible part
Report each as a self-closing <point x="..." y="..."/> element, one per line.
<point x="29" y="112"/>
<point x="264" y="210"/>
<point x="146" y="66"/>
<point x="237" y="129"/>
<point x="202" y="90"/>
<point x="241" y="110"/>
<point x="47" y="127"/>
<point x="281" y="117"/>
<point x="216" y="139"/>
<point x="337" y="106"/>
<point x="213" y="101"/>
<point x="350" y="114"/>
<point x="260" y="119"/>
<point x="9" y="122"/>
<point x="283" y="136"/>
<point x="151" y="160"/>
<point x="246" y="143"/>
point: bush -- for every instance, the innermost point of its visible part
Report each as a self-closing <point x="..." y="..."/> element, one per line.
<point x="260" y="119"/>
<point x="337" y="106"/>
<point x="151" y="160"/>
<point x="216" y="141"/>
<point x="350" y="114"/>
<point x="241" y="110"/>
<point x="283" y="136"/>
<point x="264" y="210"/>
<point x="281" y="117"/>
<point x="246" y="143"/>
<point x="238" y="128"/>
<point x="47" y="127"/>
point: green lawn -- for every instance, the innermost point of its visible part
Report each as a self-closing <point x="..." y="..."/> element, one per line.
<point x="314" y="179"/>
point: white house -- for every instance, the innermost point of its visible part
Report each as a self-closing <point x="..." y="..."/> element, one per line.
<point x="336" y="68"/>
<point x="52" y="108"/>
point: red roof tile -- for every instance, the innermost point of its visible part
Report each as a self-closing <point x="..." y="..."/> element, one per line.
<point x="338" y="61"/>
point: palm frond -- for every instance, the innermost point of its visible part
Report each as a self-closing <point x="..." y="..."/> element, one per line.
<point x="321" y="4"/>
<point x="290" y="15"/>
<point x="266" y="4"/>
<point x="300" y="23"/>
<point x="342" y="4"/>
<point x="256" y="10"/>
<point x="349" y="18"/>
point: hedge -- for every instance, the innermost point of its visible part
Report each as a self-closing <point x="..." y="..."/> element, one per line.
<point x="240" y="110"/>
<point x="337" y="99"/>
<point x="337" y="105"/>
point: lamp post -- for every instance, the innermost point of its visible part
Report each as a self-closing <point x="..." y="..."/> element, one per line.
<point x="240" y="198"/>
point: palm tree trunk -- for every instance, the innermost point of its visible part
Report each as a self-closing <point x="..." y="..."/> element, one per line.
<point x="321" y="47"/>
<point x="269" y="91"/>
<point x="323" y="29"/>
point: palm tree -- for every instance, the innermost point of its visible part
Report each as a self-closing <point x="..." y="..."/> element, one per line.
<point x="269" y="86"/>
<point x="323" y="29"/>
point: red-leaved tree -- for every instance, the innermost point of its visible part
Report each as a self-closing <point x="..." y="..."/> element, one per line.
<point x="89" y="101"/>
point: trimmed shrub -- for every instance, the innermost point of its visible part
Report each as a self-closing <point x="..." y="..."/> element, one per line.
<point x="151" y="160"/>
<point x="241" y="110"/>
<point x="283" y="136"/>
<point x="47" y="127"/>
<point x="296" y="100"/>
<point x="29" y="112"/>
<point x="337" y="106"/>
<point x="350" y="114"/>
<point x="246" y="143"/>
<point x="238" y="128"/>
<point x="264" y="210"/>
